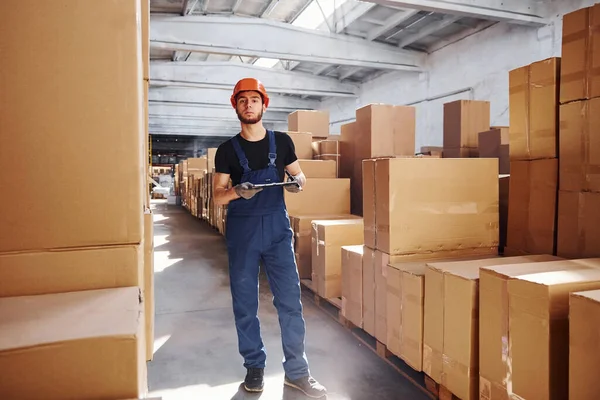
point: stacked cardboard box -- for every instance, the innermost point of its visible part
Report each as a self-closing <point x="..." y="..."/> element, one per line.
<point x="584" y="346"/>
<point x="405" y="209"/>
<point x="452" y="343"/>
<point x="533" y="153"/>
<point x="328" y="150"/>
<point x="579" y="144"/>
<point x="352" y="278"/>
<point x="65" y="235"/>
<point x="315" y="122"/>
<point x="463" y="121"/>
<point x="328" y="238"/>
<point x="495" y="144"/>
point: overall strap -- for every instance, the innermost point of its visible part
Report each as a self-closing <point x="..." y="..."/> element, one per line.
<point x="272" y="149"/>
<point x="240" y="154"/>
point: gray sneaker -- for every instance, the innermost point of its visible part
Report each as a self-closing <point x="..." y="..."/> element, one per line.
<point x="307" y="385"/>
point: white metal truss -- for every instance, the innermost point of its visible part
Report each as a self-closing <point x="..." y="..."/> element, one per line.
<point x="523" y="12"/>
<point x="428" y="29"/>
<point x="224" y="75"/>
<point x="217" y="98"/>
<point x="271" y="39"/>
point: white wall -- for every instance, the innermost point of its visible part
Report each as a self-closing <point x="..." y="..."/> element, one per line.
<point x="478" y="64"/>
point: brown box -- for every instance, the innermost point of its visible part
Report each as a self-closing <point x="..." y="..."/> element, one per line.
<point x="495" y="369"/>
<point x="381" y="295"/>
<point x="532" y="206"/>
<point x="327" y="240"/>
<point x="449" y="212"/>
<point x="580" y="146"/>
<point x="393" y="309"/>
<point x="329" y="147"/>
<point x="66" y="345"/>
<point x="318" y="168"/>
<point x="352" y="266"/>
<point x="310" y="199"/>
<point x="384" y="130"/>
<point x="463" y="152"/>
<point x="302" y="144"/>
<point x="197" y="166"/>
<point x="210" y="155"/>
<point x="578" y="224"/>
<point x="302" y="227"/>
<point x="57" y="156"/>
<point x="347" y="140"/>
<point x="533" y="108"/>
<point x="66" y="270"/>
<point x="463" y="120"/>
<point x="494" y="144"/>
<point x="503" y="188"/>
<point x="146" y="40"/>
<point x="369" y="203"/>
<point x="356" y="186"/>
<point x="148" y="292"/>
<point x="368" y="304"/>
<point x="460" y="352"/>
<point x="432" y="150"/>
<point x="314" y="122"/>
<point x="539" y="330"/>
<point x="580" y="56"/>
<point x="584" y="346"/>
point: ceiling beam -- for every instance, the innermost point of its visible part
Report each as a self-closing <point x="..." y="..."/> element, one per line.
<point x="391" y="22"/>
<point x="180" y="113"/>
<point x="229" y="35"/>
<point x="428" y="29"/>
<point x="522" y="12"/>
<point x="216" y="98"/>
<point x="224" y="75"/>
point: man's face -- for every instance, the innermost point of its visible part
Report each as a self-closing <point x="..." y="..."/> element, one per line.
<point x="249" y="107"/>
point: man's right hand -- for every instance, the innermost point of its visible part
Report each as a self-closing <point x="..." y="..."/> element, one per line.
<point x="246" y="190"/>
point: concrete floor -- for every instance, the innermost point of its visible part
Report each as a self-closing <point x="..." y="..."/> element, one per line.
<point x="196" y="353"/>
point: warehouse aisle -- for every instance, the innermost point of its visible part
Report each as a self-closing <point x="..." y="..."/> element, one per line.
<point x="196" y="345"/>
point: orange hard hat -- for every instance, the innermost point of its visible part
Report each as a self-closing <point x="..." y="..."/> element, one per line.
<point x="249" y="84"/>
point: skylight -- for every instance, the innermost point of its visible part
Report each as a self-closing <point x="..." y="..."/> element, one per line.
<point x="310" y="18"/>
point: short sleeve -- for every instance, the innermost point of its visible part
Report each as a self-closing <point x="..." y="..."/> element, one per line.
<point x="221" y="161"/>
<point x="290" y="154"/>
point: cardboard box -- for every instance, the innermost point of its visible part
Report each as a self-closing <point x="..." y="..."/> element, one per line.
<point x="532" y="206"/>
<point x="328" y="147"/>
<point x="463" y="120"/>
<point x="580" y="57"/>
<point x="347" y="139"/>
<point x="66" y="345"/>
<point x="393" y="309"/>
<point x="310" y="199"/>
<point x="494" y="144"/>
<point x="533" y="108"/>
<point x="584" y="346"/>
<point x="460" y="351"/>
<point x="356" y="186"/>
<point x="302" y="227"/>
<point x="578" y="225"/>
<point x="210" y="155"/>
<point x="369" y="203"/>
<point x="197" y="166"/>
<point x="432" y="150"/>
<point x="315" y="122"/>
<point x="381" y="295"/>
<point x="302" y="144"/>
<point x="449" y="212"/>
<point x="504" y="190"/>
<point x="580" y="146"/>
<point x="384" y="131"/>
<point x="148" y="292"/>
<point x="328" y="239"/>
<point x="57" y="156"/>
<point x="352" y="260"/>
<point x="369" y="291"/>
<point x="146" y="39"/>
<point x="65" y="270"/>
<point x="463" y="152"/>
<point x="318" y="168"/>
<point x="539" y="329"/>
<point x="494" y="357"/>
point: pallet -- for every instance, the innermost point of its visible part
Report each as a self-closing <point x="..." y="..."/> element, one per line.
<point x="439" y="391"/>
<point x="332" y="307"/>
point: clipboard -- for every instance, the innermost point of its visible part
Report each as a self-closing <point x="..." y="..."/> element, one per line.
<point x="275" y="184"/>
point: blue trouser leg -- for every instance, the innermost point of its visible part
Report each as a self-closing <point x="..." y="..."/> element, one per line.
<point x="280" y="265"/>
<point x="244" y="248"/>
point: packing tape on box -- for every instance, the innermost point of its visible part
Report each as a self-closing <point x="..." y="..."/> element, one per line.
<point x="449" y="363"/>
<point x="485" y="389"/>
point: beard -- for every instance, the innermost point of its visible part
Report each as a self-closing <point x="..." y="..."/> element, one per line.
<point x="249" y="121"/>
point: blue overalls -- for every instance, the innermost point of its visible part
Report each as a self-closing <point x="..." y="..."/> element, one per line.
<point x="259" y="228"/>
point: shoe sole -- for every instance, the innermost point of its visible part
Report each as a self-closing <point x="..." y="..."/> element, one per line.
<point x="300" y="389"/>
<point x="253" y="390"/>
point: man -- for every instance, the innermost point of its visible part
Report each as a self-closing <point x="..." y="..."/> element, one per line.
<point x="258" y="228"/>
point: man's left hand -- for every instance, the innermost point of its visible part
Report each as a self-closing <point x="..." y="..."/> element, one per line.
<point x="300" y="179"/>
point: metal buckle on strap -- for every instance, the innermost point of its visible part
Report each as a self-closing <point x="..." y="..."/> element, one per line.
<point x="272" y="158"/>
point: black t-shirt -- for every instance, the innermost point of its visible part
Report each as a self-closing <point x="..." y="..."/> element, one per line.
<point x="227" y="162"/>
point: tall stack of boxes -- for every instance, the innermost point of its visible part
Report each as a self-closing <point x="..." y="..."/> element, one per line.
<point x="534" y="158"/>
<point x="579" y="173"/>
<point x="71" y="249"/>
<point x="463" y="121"/>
